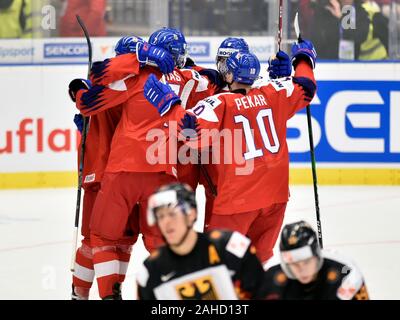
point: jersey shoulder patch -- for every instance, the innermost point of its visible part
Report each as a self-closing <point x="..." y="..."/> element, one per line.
<point x="204" y="109"/>
<point x="212" y="101"/>
<point x="215" y="100"/>
<point x="238" y="244"/>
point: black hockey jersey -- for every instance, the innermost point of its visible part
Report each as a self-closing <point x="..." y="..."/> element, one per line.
<point x="338" y="279"/>
<point x="222" y="265"/>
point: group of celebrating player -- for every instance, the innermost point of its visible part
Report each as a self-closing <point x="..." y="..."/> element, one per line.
<point x="149" y="103"/>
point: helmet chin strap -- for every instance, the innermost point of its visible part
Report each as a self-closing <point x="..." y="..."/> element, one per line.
<point x="229" y="83"/>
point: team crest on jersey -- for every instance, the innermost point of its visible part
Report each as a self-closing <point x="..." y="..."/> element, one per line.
<point x="199" y="289"/>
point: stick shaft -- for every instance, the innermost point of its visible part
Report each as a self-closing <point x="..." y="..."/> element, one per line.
<point x="314" y="175"/>
<point x="82" y="152"/>
<point x="280" y="24"/>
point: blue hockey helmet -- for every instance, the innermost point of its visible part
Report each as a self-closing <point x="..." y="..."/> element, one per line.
<point x="127" y="45"/>
<point x="173" y="41"/>
<point x="231" y="45"/>
<point x="245" y="67"/>
<point x="227" y="47"/>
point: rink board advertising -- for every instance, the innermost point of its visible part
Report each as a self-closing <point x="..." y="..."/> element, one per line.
<point x="355" y="117"/>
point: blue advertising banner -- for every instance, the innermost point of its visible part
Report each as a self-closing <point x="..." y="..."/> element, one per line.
<point x="353" y="121"/>
<point x="65" y="50"/>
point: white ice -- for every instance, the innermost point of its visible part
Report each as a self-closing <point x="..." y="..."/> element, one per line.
<point x="36" y="231"/>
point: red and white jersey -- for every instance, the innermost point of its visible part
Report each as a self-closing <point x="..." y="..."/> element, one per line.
<point x="194" y="90"/>
<point x="191" y="173"/>
<point x="249" y="131"/>
<point x="134" y="146"/>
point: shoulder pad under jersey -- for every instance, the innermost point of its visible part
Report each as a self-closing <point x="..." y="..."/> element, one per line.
<point x="352" y="280"/>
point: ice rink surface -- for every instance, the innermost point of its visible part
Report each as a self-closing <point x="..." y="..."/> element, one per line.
<point x="36" y="230"/>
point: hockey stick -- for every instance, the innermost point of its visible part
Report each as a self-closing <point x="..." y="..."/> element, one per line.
<point x="83" y="145"/>
<point x="280" y="24"/>
<point x="311" y="139"/>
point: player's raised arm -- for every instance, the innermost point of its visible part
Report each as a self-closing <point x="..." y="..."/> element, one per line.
<point x="132" y="53"/>
<point x="100" y="98"/>
<point x="303" y="60"/>
<point x="111" y="78"/>
<point x="294" y="93"/>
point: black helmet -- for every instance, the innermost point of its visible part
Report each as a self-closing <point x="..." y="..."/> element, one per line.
<point x="297" y="235"/>
<point x="298" y="242"/>
<point x="174" y="194"/>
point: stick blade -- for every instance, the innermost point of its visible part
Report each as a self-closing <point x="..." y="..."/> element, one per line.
<point x="296" y="25"/>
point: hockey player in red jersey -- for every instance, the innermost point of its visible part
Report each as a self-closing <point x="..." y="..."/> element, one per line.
<point x="305" y="272"/>
<point x="253" y="186"/>
<point x="98" y="143"/>
<point x="133" y="172"/>
<point x="219" y="265"/>
<point x="227" y="47"/>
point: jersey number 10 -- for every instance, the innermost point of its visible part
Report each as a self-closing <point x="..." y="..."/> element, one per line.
<point x="248" y="135"/>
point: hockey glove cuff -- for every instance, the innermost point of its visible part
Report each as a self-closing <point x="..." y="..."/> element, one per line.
<point x="160" y="95"/>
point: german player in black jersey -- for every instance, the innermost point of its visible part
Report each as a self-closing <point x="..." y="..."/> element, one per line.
<point x="307" y="273"/>
<point x="212" y="266"/>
